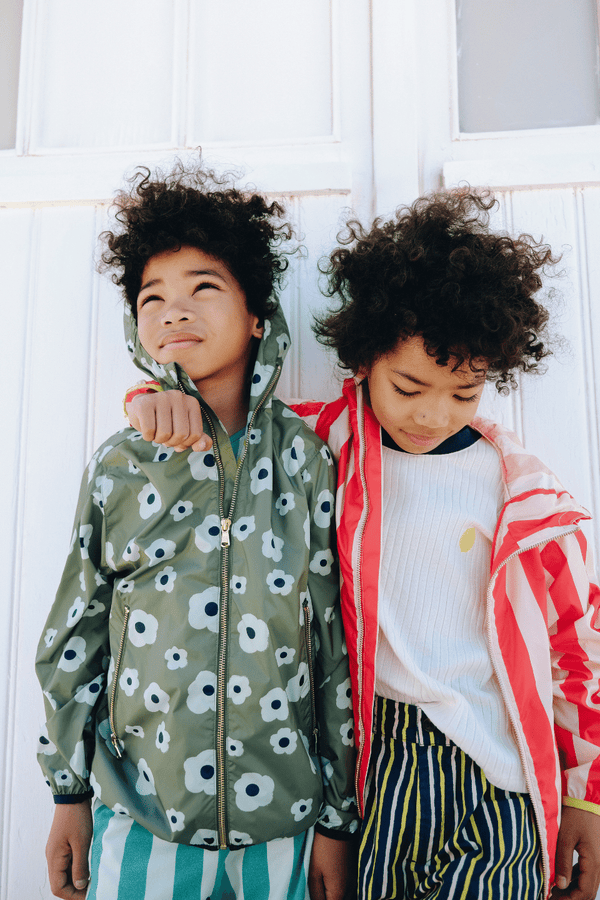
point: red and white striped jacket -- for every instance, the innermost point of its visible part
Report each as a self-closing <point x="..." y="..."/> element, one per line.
<point x="543" y="609"/>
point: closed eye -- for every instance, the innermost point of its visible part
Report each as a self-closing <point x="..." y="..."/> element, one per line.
<point x="204" y="285"/>
<point x="466" y="399"/>
<point x="405" y="393"/>
<point x="145" y="300"/>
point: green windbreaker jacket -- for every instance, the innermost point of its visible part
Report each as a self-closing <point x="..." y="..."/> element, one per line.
<point x="193" y="664"/>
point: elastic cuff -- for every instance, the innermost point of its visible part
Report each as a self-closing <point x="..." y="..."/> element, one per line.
<point x="582" y="804"/>
<point x="142" y="387"/>
<point x="334" y="835"/>
<point x="73" y="798"/>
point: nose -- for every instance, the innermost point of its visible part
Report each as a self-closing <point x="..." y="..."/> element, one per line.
<point x="177" y="310"/>
<point x="432" y="414"/>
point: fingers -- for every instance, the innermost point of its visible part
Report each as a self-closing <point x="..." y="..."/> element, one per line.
<point x="170" y="418"/>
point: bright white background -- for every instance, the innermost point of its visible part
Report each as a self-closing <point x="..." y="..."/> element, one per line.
<point x="329" y="104"/>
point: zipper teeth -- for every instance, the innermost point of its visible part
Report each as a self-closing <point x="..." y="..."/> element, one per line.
<point x="311" y="677"/>
<point x="500" y="676"/>
<point x="222" y="658"/>
<point x="113" y="728"/>
<point x="358" y="605"/>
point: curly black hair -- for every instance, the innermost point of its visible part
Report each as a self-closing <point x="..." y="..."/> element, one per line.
<point x="437" y="270"/>
<point x="192" y="206"/>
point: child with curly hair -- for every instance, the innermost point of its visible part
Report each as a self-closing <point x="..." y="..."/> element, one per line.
<point x="193" y="664"/>
<point x="470" y="606"/>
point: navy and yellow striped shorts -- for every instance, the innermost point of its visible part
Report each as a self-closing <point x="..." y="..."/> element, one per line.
<point x="434" y="827"/>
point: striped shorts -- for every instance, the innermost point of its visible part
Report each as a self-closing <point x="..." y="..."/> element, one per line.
<point x="434" y="826"/>
<point x="129" y="863"/>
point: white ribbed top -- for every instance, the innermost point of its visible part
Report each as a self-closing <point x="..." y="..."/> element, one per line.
<point x="439" y="516"/>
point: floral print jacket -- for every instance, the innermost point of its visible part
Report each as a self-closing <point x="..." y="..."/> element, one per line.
<point x="193" y="664"/>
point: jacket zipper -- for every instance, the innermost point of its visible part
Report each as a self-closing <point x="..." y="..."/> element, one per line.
<point x="111" y="711"/>
<point x="311" y="678"/>
<point x="513" y="715"/>
<point x="226" y="522"/>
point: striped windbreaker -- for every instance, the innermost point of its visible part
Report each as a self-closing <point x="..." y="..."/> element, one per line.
<point x="543" y="609"/>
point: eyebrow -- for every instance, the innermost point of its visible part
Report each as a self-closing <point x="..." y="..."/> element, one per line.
<point x="191" y="273"/>
<point x="461" y="387"/>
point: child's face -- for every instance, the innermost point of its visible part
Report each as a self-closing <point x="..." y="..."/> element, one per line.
<point x="191" y="310"/>
<point x="419" y="403"/>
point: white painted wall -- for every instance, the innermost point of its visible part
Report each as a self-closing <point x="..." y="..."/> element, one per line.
<point x="328" y="104"/>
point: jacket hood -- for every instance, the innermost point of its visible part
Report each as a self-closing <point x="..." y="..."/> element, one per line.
<point x="272" y="350"/>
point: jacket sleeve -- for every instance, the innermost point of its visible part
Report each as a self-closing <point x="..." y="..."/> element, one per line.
<point x="574" y="612"/>
<point x="335" y="738"/>
<point x="73" y="652"/>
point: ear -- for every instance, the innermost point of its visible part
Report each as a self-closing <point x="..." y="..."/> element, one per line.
<point x="257" y="328"/>
<point x="362" y="373"/>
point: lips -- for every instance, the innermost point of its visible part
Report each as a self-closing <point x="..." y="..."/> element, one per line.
<point x="423" y="440"/>
<point x="180" y="337"/>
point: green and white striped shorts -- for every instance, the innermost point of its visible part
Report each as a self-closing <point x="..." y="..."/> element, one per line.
<point x="130" y="863"/>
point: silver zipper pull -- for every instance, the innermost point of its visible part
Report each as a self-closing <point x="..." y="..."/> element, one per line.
<point x="115" y="742"/>
<point x="225" y="526"/>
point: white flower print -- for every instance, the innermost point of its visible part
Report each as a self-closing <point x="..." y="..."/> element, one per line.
<point x="266" y="329"/>
<point x="284" y="741"/>
<point x="208" y="534"/>
<point x="306" y="476"/>
<point x="204" y="836"/>
<point x="243" y="527"/>
<point x="125" y="586"/>
<point x="294" y="457"/>
<point x="162" y="738"/>
<point x="321" y="562"/>
<point x="260" y="378"/>
<point x="304" y="740"/>
<point x="136" y="730"/>
<point x="329" y="614"/>
<point x="160" y="550"/>
<point x="254" y="634"/>
<point x="279" y="582"/>
<point x="239" y="838"/>
<point x="299" y="685"/>
<point x="326" y="770"/>
<point x="77" y="761"/>
<point x="203" y="465"/>
<point x="202" y="692"/>
<point x="133" y="469"/>
<point x="307" y="530"/>
<point x="85" y="533"/>
<point x="182" y="509"/>
<point x="238" y="584"/>
<point x="284" y="342"/>
<point x="89" y="693"/>
<point x="45" y="745"/>
<point x="142" y="628"/>
<point x="111" y="672"/>
<point x="132" y="552"/>
<point x="155" y="699"/>
<point x="272" y="546"/>
<point x="329" y="817"/>
<point x="109" y="553"/>
<point x="261" y="476"/>
<point x="145" y="783"/>
<point x="104" y="486"/>
<point x="163" y="453"/>
<point x="284" y="655"/>
<point x="347" y="733"/>
<point x="234" y="748"/>
<point x="238" y="689"/>
<point x="49" y="636"/>
<point x="326" y="454"/>
<point x="99" y="579"/>
<point x="176" y="658"/>
<point x="176" y="820"/>
<point x="254" y="435"/>
<point x="204" y="610"/>
<point x="253" y="790"/>
<point x="344" y="695"/>
<point x="301" y="809"/>
<point x="120" y="810"/>
<point x="274" y="705"/>
<point x="92" y="466"/>
<point x="285" y="502"/>
<point x="129" y="681"/>
<point x="149" y="500"/>
<point x="324" y="509"/>
<point x="73" y="655"/>
<point x="63" y="778"/>
<point x="200" y="777"/>
<point x="165" y="580"/>
<point x="50" y="699"/>
<point x="95" y="786"/>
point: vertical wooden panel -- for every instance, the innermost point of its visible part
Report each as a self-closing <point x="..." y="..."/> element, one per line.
<point x="260" y="71"/>
<point x="52" y="453"/>
<point x="104" y="73"/>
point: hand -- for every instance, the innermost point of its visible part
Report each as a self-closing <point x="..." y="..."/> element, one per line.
<point x="580" y="831"/>
<point x="170" y="418"/>
<point x="331" y="869"/>
<point x="67" y="850"/>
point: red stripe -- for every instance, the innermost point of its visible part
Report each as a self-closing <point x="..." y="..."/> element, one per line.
<point x="330" y="412"/>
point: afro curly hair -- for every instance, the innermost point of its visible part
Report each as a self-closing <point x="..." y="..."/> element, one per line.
<point x="192" y="206"/>
<point x="438" y="271"/>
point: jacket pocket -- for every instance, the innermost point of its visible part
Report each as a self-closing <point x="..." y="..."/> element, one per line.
<point x="113" y="694"/>
<point x="311" y="676"/>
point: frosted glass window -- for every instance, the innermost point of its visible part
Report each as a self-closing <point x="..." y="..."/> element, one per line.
<point x="527" y="64"/>
<point x="11" y="14"/>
